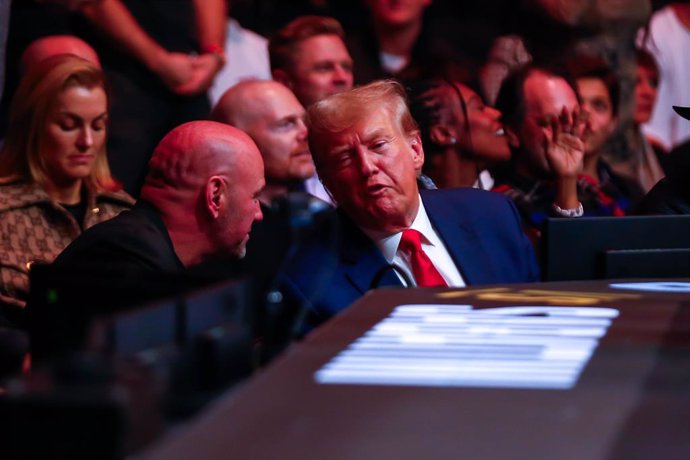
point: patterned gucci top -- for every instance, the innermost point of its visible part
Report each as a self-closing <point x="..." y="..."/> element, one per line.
<point x="35" y="228"/>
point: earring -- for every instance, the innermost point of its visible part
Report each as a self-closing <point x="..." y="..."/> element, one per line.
<point x="453" y="141"/>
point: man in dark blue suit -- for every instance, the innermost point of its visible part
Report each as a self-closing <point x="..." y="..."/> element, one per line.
<point x="368" y="152"/>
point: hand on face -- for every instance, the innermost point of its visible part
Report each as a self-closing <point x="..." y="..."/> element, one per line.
<point x="563" y="142"/>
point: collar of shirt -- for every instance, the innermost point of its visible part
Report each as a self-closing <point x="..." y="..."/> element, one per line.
<point x="388" y="244"/>
<point x="485" y="181"/>
<point x="431" y="244"/>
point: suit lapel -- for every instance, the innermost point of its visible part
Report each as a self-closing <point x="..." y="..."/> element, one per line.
<point x="461" y="239"/>
<point x="362" y="260"/>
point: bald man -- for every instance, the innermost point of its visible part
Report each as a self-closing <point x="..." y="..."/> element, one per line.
<point x="273" y="117"/>
<point x="198" y="202"/>
<point x="53" y="45"/>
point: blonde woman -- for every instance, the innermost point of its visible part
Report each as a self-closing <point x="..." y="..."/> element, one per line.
<point x="54" y="175"/>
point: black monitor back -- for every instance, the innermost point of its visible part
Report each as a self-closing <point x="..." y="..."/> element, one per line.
<point x="175" y="320"/>
<point x="616" y="247"/>
<point x="63" y="302"/>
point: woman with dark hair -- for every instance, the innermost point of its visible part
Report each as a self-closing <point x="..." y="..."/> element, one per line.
<point x="462" y="136"/>
<point x="54" y="175"/>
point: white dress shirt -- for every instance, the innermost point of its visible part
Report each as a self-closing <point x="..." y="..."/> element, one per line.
<point x="314" y="187"/>
<point x="432" y="245"/>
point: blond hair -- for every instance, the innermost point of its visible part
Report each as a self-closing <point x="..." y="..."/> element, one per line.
<point x="33" y="102"/>
<point x="341" y="111"/>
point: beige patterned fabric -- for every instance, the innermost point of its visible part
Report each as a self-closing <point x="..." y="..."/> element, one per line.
<point x="34" y="228"/>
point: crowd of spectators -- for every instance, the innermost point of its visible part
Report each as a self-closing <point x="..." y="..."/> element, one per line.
<point x="538" y="104"/>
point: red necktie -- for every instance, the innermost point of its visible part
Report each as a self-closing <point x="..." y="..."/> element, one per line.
<point x="423" y="269"/>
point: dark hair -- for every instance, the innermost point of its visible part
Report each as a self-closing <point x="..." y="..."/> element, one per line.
<point x="511" y="96"/>
<point x="583" y="66"/>
<point x="429" y="107"/>
<point x="283" y="44"/>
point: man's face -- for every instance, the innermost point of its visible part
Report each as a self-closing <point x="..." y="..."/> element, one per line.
<point x="242" y="204"/>
<point x="397" y="12"/>
<point x="321" y="67"/>
<point x="279" y="131"/>
<point x="596" y="101"/>
<point x="545" y="96"/>
<point x="370" y="168"/>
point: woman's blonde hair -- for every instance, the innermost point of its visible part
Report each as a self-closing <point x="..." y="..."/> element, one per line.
<point x="32" y="104"/>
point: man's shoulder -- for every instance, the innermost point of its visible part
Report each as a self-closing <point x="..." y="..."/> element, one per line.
<point x="460" y="193"/>
<point x="464" y="199"/>
<point x="129" y="224"/>
<point x="328" y="235"/>
<point x="131" y="239"/>
<point x="336" y="242"/>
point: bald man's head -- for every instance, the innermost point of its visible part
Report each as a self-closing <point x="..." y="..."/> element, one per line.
<point x="204" y="178"/>
<point x="54" y="45"/>
<point x="191" y="152"/>
<point x="271" y="114"/>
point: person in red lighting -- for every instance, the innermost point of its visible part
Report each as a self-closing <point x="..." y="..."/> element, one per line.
<point x="367" y="150"/>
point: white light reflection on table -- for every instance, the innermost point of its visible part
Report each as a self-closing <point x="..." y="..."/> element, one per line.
<point x="677" y="287"/>
<point x="542" y="347"/>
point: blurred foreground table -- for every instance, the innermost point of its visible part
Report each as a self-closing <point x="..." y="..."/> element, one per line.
<point x="606" y="378"/>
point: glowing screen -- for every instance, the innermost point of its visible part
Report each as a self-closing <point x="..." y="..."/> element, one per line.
<point x="658" y="286"/>
<point x="543" y="347"/>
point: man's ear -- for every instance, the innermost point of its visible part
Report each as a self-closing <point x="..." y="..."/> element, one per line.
<point x="216" y="189"/>
<point x="512" y="137"/>
<point x="283" y="77"/>
<point x="417" y="151"/>
<point x="443" y="135"/>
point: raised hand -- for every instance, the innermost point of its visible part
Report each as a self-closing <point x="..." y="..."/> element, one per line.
<point x="563" y="142"/>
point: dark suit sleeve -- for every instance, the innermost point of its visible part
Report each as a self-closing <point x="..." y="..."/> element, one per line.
<point x="524" y="245"/>
<point x="483" y="233"/>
